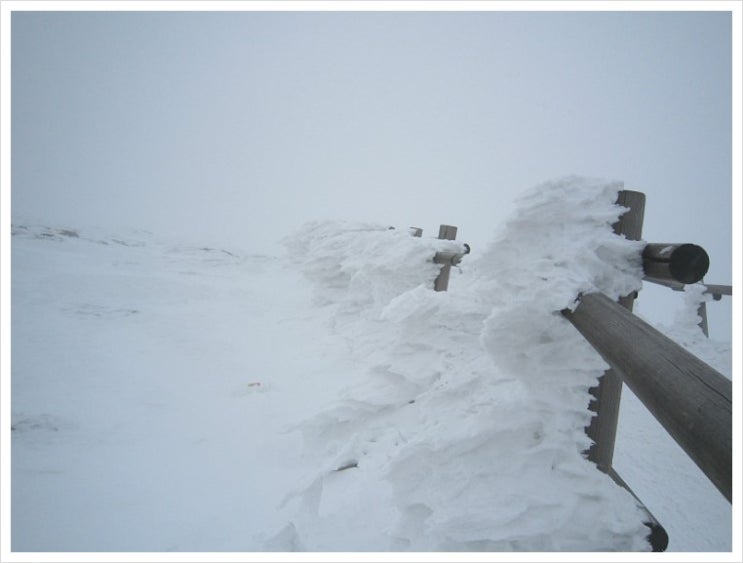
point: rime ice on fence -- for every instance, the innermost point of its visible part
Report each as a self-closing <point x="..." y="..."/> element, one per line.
<point x="467" y="426"/>
<point x="361" y="265"/>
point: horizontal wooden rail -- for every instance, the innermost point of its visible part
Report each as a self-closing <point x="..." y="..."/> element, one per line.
<point x="689" y="398"/>
<point x="450" y="258"/>
<point x="684" y="263"/>
<point x="716" y="290"/>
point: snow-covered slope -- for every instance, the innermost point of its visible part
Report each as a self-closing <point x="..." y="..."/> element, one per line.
<point x="152" y="384"/>
<point x="188" y="398"/>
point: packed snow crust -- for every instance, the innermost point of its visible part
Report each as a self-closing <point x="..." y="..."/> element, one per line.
<point x="172" y="397"/>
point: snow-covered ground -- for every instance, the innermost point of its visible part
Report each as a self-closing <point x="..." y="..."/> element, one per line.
<point x="177" y="397"/>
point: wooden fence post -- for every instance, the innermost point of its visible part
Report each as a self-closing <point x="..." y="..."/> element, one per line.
<point x="702" y="314"/>
<point x="446" y="232"/>
<point x="607" y="394"/>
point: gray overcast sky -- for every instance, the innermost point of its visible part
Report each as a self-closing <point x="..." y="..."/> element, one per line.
<point x="240" y="126"/>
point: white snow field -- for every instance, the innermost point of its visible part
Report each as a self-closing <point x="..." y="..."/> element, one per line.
<point x="175" y="397"/>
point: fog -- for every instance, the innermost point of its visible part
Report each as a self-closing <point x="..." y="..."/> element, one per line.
<point x="237" y="127"/>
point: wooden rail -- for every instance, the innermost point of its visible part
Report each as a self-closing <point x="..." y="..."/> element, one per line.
<point x="680" y="263"/>
<point x="716" y="290"/>
<point x="689" y="398"/>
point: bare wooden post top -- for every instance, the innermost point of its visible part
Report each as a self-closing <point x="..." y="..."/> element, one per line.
<point x="447" y="232"/>
<point x="631" y="222"/>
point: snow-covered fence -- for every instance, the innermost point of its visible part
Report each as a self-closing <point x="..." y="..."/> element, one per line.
<point x="689" y="398"/>
<point x="467" y="417"/>
<point x="606" y="395"/>
<point x="446" y="259"/>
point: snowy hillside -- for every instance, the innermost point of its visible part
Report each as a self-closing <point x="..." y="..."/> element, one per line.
<point x="192" y="398"/>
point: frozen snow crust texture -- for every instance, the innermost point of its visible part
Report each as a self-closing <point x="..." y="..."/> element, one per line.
<point x="465" y="427"/>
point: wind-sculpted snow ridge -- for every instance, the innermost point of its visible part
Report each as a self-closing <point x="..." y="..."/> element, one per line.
<point x="464" y="429"/>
